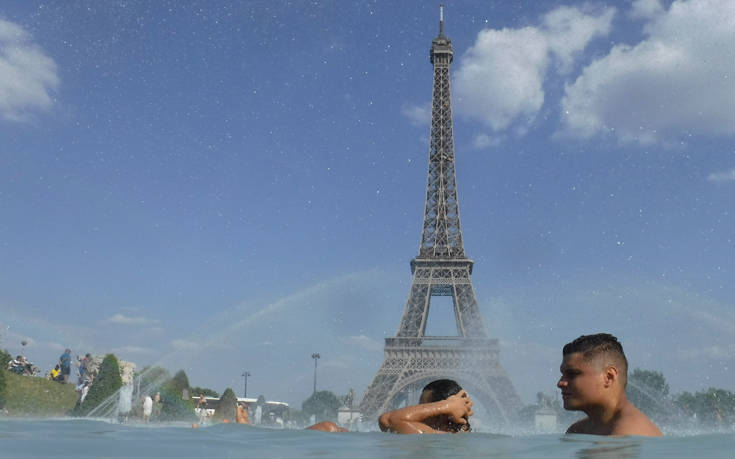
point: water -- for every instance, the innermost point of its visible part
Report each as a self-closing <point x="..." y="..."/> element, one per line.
<point x="84" y="438"/>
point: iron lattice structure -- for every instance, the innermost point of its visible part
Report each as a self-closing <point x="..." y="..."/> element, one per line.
<point x="441" y="269"/>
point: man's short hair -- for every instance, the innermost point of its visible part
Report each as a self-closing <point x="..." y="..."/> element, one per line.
<point x="593" y="346"/>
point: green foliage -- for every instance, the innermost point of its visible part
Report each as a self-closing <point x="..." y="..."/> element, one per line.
<point x="323" y="405"/>
<point x="38" y="397"/>
<point x="152" y="378"/>
<point x="5" y="357"/>
<point x="714" y="407"/>
<point x="226" y="407"/>
<point x="649" y="392"/>
<point x="106" y="383"/>
<point x="172" y="406"/>
<point x="3" y="384"/>
<point x="179" y="382"/>
<point x="195" y="391"/>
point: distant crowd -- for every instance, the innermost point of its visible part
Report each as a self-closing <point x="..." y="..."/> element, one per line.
<point x="60" y="373"/>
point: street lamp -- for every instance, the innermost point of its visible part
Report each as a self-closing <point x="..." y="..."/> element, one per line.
<point x="245" y="392"/>
<point x="315" y="356"/>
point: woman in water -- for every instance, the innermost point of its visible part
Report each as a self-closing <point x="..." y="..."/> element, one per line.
<point x="444" y="407"/>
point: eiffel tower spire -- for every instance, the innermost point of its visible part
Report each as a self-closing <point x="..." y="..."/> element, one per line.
<point x="441" y="269"/>
<point x="442" y="234"/>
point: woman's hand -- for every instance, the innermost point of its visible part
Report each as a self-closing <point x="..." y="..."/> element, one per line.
<point x="459" y="407"/>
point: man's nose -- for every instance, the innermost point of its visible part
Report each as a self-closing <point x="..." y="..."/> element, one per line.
<point x="561" y="383"/>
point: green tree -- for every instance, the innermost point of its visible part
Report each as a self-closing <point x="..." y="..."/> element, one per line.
<point x="649" y="392"/>
<point x="173" y="407"/>
<point x="227" y="406"/>
<point x="151" y="379"/>
<point x="105" y="385"/>
<point x="323" y="405"/>
<point x="179" y="382"/>
<point x="713" y="407"/>
<point x="5" y="357"/>
<point x="3" y="384"/>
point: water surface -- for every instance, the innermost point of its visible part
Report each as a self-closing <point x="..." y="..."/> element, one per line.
<point x="75" y="438"/>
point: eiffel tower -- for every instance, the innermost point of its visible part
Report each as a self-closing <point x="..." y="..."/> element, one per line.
<point x="441" y="268"/>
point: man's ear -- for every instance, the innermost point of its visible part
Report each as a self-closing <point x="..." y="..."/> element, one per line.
<point x="611" y="375"/>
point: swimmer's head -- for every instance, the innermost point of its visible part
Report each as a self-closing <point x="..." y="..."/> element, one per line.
<point x="439" y="390"/>
<point x="601" y="349"/>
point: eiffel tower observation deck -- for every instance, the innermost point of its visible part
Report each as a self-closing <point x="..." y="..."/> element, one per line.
<point x="412" y="358"/>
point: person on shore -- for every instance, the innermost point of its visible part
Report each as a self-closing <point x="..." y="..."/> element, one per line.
<point x="65" y="364"/>
<point x="147" y="408"/>
<point x="444" y="407"/>
<point x="594" y="372"/>
<point x="157" y="406"/>
<point x="241" y="417"/>
<point x="83" y="363"/>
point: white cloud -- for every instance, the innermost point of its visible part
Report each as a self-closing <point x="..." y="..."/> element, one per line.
<point x="27" y="75"/>
<point x="121" y="319"/>
<point x="646" y="9"/>
<point x="569" y="30"/>
<point x="500" y="78"/>
<point x="724" y="176"/>
<point x="483" y="141"/>
<point x="365" y="343"/>
<point x="125" y="350"/>
<point x="679" y="81"/>
<point x="184" y="345"/>
<point x="418" y="115"/>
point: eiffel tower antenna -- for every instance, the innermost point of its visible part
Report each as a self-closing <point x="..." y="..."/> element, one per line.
<point x="441" y="268"/>
<point x="441" y="20"/>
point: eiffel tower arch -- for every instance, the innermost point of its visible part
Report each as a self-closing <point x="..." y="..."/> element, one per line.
<point x="441" y="268"/>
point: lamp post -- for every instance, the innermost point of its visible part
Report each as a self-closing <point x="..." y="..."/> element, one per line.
<point x="245" y="376"/>
<point x="315" y="356"/>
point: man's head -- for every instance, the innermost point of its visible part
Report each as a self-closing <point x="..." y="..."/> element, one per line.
<point x="593" y="370"/>
<point x="439" y="390"/>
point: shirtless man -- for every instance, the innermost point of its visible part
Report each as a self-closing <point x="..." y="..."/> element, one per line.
<point x="594" y="373"/>
<point x="444" y="407"/>
<point x="242" y="414"/>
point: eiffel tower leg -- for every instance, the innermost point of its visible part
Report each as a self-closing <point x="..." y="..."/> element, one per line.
<point x="477" y="370"/>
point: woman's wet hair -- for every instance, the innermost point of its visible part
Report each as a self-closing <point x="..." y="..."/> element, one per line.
<point x="442" y="389"/>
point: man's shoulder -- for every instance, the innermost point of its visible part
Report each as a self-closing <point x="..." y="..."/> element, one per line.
<point x="634" y="422"/>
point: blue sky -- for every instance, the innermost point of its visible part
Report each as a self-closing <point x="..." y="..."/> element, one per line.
<point x="229" y="186"/>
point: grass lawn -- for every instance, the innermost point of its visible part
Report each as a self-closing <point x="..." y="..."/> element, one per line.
<point x="31" y="396"/>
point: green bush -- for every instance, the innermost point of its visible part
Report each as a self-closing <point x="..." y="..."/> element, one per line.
<point x="173" y="407"/>
<point x="106" y="384"/>
<point x="226" y="407"/>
